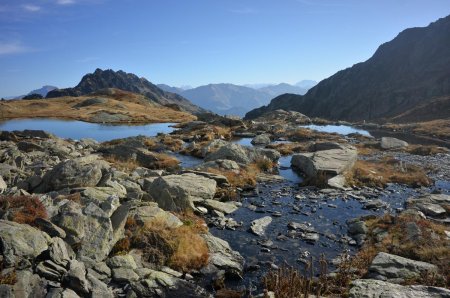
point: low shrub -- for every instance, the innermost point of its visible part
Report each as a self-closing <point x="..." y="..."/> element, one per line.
<point x="23" y="209"/>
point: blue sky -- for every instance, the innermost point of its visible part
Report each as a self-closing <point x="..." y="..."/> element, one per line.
<point x="195" y="42"/>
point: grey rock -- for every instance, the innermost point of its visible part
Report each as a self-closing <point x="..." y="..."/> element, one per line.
<point x="392" y="143"/>
<point x="262" y="139"/>
<point x="3" y="185"/>
<point x="60" y="252"/>
<point x="174" y="192"/>
<point x="6" y="291"/>
<point x="224" y="164"/>
<point x="369" y="288"/>
<point x="221" y="255"/>
<point x="433" y="205"/>
<point x="20" y="241"/>
<point x="144" y="212"/>
<point x="50" y="228"/>
<point x="258" y="226"/>
<point x="29" y="285"/>
<point x="391" y="267"/>
<point x="225" y="207"/>
<point x="98" y="288"/>
<point x="357" y="227"/>
<point x="75" y="278"/>
<point x="122" y="261"/>
<point x="330" y="162"/>
<point x="79" y="172"/>
<point x="124" y="275"/>
<point x="230" y="151"/>
<point x="50" y="270"/>
<point x="71" y="219"/>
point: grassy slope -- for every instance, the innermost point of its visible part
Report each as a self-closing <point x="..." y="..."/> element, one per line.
<point x="136" y="107"/>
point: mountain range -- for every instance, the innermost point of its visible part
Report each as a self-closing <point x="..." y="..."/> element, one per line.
<point x="409" y="71"/>
<point x="230" y="99"/>
<point x="104" y="79"/>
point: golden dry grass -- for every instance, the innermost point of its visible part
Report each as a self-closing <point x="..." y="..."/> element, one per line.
<point x="388" y="170"/>
<point x="181" y="248"/>
<point x="289" y="148"/>
<point x="430" y="246"/>
<point x="245" y="178"/>
<point x="162" y="161"/>
<point x="136" y="107"/>
<point x="128" y="165"/>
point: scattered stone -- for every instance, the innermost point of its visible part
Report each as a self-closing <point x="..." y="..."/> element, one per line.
<point x="262" y="139"/>
<point x="225" y="207"/>
<point x="392" y="143"/>
<point x="258" y="226"/>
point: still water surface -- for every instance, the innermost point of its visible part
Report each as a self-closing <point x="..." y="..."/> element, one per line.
<point x="78" y="129"/>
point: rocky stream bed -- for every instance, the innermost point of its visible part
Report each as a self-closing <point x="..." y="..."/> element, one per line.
<point x="88" y="205"/>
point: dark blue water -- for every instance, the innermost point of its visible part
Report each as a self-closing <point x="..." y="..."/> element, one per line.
<point x="79" y="129"/>
<point x="340" y="129"/>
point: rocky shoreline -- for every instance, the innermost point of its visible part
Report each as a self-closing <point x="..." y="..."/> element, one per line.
<point x="122" y="219"/>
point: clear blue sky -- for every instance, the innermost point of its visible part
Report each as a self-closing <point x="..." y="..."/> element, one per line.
<point x="195" y="42"/>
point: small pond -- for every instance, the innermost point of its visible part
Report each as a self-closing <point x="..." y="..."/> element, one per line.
<point x="79" y="129"/>
<point x="340" y="129"/>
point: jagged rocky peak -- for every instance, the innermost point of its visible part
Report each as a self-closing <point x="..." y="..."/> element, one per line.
<point x="103" y="79"/>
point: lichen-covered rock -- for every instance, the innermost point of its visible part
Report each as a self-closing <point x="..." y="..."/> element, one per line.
<point x="225" y="207"/>
<point x="79" y="172"/>
<point x="396" y="269"/>
<point x="222" y="257"/>
<point x="147" y="211"/>
<point x="21" y="241"/>
<point x="370" y="288"/>
<point x="258" y="226"/>
<point x="174" y="192"/>
<point x="330" y="162"/>
<point x="262" y="139"/>
<point x="230" y="151"/>
<point x="392" y="143"/>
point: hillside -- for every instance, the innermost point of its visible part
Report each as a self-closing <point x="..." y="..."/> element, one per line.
<point x="102" y="79"/>
<point x="412" y="69"/>
<point x="103" y="106"/>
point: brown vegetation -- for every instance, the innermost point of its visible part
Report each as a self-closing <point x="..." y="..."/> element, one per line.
<point x="430" y="245"/>
<point x="137" y="108"/>
<point x="289" y="148"/>
<point x="121" y="164"/>
<point x="180" y="248"/>
<point x="387" y="170"/>
<point x="23" y="209"/>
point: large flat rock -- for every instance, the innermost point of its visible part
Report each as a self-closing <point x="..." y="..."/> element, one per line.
<point x="331" y="162"/>
<point x="369" y="288"/>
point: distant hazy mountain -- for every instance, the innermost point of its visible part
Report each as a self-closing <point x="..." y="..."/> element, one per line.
<point x="307" y="84"/>
<point x="102" y="79"/>
<point x="229" y="99"/>
<point x="43" y="91"/>
<point x="226" y="98"/>
<point x="275" y="90"/>
<point x="168" y="88"/>
<point x="410" y="71"/>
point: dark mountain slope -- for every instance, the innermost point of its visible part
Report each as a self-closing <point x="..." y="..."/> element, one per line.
<point x="102" y="79"/>
<point x="412" y="69"/>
